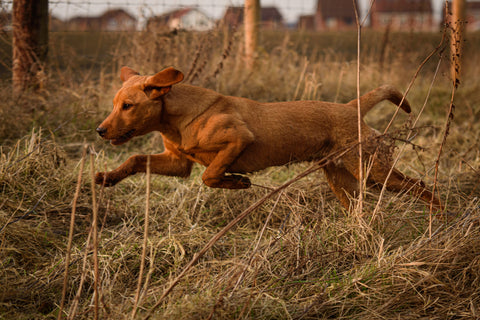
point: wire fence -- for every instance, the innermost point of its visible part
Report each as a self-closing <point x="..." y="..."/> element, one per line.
<point x="130" y="15"/>
<point x="65" y="10"/>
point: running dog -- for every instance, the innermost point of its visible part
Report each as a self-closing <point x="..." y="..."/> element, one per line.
<point x="232" y="136"/>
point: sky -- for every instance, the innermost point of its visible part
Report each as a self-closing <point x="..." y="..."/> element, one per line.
<point x="290" y="9"/>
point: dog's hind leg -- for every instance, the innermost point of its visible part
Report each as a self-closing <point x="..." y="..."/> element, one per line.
<point x="342" y="183"/>
<point x="399" y="182"/>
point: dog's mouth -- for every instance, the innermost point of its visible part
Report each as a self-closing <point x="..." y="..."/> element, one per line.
<point x="122" y="139"/>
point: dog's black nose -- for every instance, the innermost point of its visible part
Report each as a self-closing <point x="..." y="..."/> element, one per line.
<point x="101" y="131"/>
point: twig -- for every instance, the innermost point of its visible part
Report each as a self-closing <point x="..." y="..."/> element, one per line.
<point x="225" y="55"/>
<point x="197" y="56"/>
<point x="456" y="48"/>
<point x="359" y="116"/>
<point x="145" y="239"/>
<point x="95" y="236"/>
<point x="437" y="162"/>
<point x="73" y="307"/>
<point x="70" y="233"/>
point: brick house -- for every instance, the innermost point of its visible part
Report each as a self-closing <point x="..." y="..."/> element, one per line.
<point x="335" y="15"/>
<point x="186" y="19"/>
<point x="403" y="15"/>
<point x="306" y="22"/>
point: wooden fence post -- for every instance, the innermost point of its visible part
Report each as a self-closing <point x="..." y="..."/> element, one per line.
<point x="30" y="43"/>
<point x="458" y="36"/>
<point x="251" y="22"/>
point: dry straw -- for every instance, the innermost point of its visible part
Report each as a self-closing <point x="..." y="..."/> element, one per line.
<point x="96" y="276"/>
<point x="71" y="230"/>
<point x="361" y="179"/>
<point x="318" y="165"/>
<point x="145" y="241"/>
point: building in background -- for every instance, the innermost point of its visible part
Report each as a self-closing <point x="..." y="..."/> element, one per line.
<point x="306" y="22"/>
<point x="181" y="19"/>
<point x="110" y="20"/>
<point x="335" y="15"/>
<point x="403" y="15"/>
<point x="397" y="15"/>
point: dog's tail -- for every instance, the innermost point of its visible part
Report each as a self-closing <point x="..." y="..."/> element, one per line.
<point x="385" y="92"/>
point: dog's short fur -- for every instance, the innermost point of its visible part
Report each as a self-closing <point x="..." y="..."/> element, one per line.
<point x="232" y="136"/>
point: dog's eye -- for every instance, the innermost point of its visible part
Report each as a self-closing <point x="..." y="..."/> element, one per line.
<point x="127" y="106"/>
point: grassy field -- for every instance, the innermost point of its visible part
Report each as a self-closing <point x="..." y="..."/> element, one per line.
<point x="299" y="255"/>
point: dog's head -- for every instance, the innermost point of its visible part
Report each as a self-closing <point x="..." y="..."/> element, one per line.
<point x="137" y="106"/>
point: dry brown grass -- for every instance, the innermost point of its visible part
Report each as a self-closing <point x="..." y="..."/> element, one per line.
<point x="309" y="260"/>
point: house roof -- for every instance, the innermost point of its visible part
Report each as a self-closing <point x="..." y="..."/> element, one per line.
<point x="172" y="15"/>
<point x="336" y="9"/>
<point x="109" y="14"/>
<point x="270" y="14"/>
<point x="403" y="6"/>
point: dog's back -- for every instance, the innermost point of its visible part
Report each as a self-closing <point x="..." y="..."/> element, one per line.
<point x="303" y="130"/>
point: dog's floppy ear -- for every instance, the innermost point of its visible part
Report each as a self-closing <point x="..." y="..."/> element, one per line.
<point x="161" y="83"/>
<point x="126" y="73"/>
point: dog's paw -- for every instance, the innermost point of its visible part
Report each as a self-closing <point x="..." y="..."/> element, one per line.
<point x="231" y="181"/>
<point x="240" y="182"/>
<point x="105" y="179"/>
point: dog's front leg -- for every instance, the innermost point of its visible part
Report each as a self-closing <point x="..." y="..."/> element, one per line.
<point x="166" y="163"/>
<point x="231" y="144"/>
<point x="214" y="176"/>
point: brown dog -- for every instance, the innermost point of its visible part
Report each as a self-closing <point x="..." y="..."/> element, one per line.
<point x="231" y="135"/>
